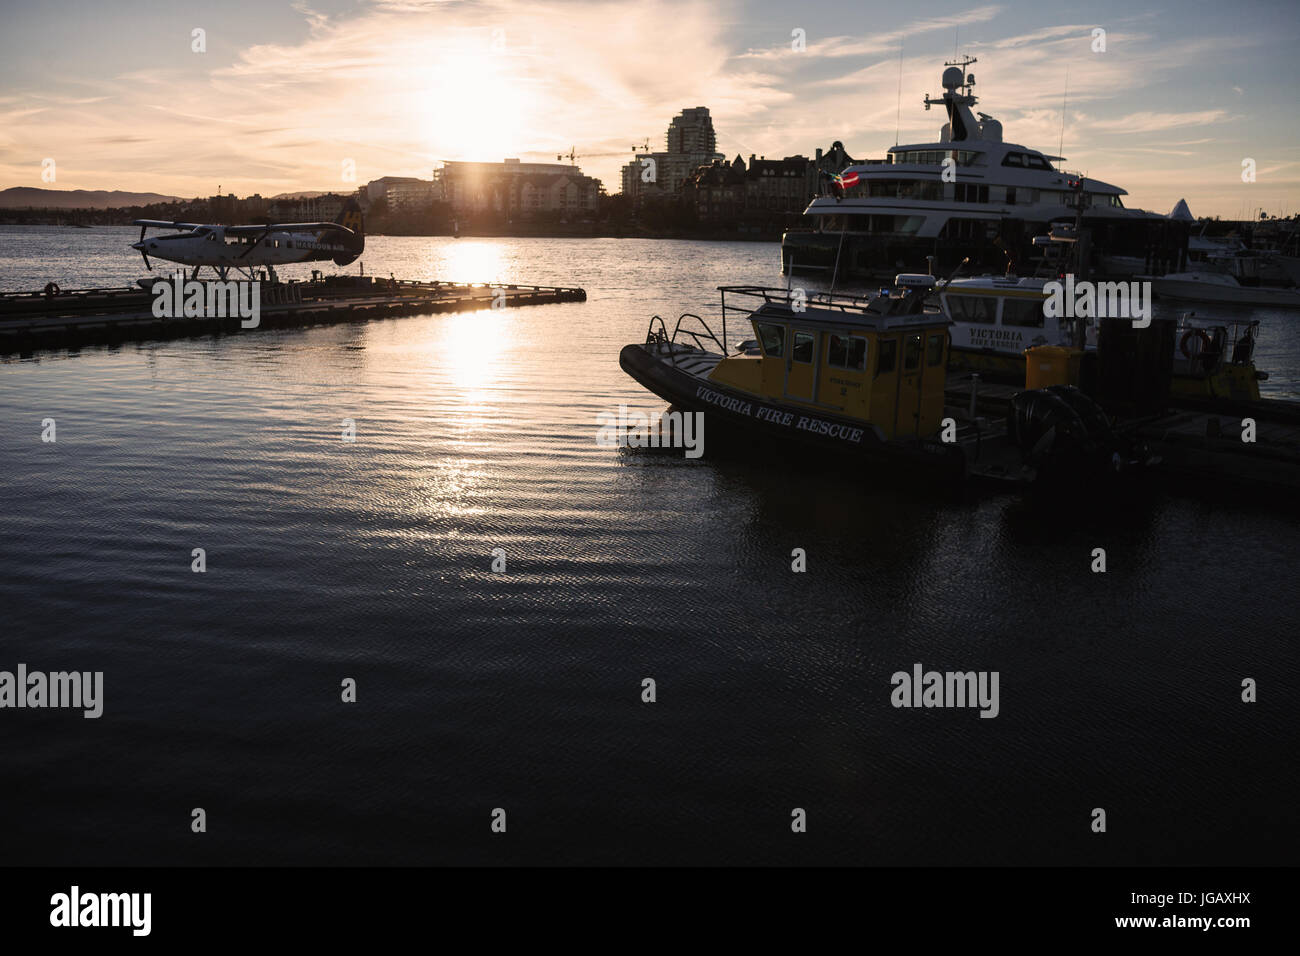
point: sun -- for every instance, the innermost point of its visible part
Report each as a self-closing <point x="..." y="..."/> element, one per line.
<point x="472" y="109"/>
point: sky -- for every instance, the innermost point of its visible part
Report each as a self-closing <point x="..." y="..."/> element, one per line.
<point x="301" y="95"/>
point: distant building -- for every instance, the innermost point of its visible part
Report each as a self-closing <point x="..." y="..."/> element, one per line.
<point x="515" y="189"/>
<point x="401" y="193"/>
<point x="691" y="131"/>
<point x="762" y="188"/>
<point x="691" y="143"/>
<point x="323" y="208"/>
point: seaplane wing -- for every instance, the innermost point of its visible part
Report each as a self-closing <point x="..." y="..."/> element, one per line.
<point x="163" y="224"/>
<point x="290" y="227"/>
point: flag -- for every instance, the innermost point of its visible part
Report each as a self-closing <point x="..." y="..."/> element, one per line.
<point x="845" y="180"/>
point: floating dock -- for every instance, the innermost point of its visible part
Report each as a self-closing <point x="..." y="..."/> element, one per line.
<point x="1246" y="444"/>
<point x="75" y="318"/>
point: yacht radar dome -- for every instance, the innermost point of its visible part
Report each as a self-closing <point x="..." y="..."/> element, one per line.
<point x="952" y="78"/>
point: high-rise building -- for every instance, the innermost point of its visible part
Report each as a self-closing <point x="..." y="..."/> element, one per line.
<point x="691" y="143"/>
<point x="691" y="131"/>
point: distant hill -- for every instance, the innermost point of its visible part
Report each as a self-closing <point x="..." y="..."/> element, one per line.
<point x="20" y="197"/>
<point x="304" y="195"/>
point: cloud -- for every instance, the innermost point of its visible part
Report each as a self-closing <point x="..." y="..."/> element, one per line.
<point x="877" y="42"/>
<point x="1149" y="122"/>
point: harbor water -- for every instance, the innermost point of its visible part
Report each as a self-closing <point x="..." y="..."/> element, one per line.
<point x="523" y="688"/>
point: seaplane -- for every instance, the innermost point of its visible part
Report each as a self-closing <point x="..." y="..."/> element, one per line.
<point x="246" y="249"/>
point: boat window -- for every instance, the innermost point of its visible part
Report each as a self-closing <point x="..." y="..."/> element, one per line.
<point x="912" y="353"/>
<point x="973" y="308"/>
<point x="847" y="352"/>
<point x="934" y="352"/>
<point x="1014" y="159"/>
<point x="857" y="352"/>
<point x="886" y="356"/>
<point x="803" y="347"/>
<point x="837" y="352"/>
<point x="1011" y="195"/>
<point x="1036" y="162"/>
<point x="1023" y="313"/>
<point x="773" y="339"/>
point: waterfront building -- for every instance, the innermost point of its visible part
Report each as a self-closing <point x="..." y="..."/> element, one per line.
<point x="400" y="193"/>
<point x="516" y="189"/>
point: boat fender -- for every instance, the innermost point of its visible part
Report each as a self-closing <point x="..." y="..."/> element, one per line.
<point x="1188" y="336"/>
<point x="51" y="288"/>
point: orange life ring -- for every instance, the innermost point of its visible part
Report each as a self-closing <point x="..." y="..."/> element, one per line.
<point x="1187" y="337"/>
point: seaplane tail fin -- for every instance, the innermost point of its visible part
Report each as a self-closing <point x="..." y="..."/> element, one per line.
<point x="350" y="218"/>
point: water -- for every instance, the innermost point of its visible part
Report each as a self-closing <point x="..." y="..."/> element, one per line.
<point x="372" y="561"/>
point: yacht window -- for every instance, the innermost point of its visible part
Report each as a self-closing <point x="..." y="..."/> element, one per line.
<point x="886" y="356"/>
<point x="773" y="339"/>
<point x="803" y="347"/>
<point x="973" y="308"/>
<point x="934" y="353"/>
<point x="1036" y="162"/>
<point x="1023" y="313"/>
<point x="1011" y="195"/>
<point x="912" y="353"/>
<point x="1014" y="159"/>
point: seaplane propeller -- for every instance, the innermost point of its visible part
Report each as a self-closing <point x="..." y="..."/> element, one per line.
<point x="142" y="252"/>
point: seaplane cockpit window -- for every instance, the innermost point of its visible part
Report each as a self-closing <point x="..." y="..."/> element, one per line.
<point x="773" y="339"/>
<point x="1023" y="313"/>
<point x="973" y="308"/>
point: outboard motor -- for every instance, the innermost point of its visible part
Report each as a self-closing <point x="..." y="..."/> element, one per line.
<point x="1062" y="430"/>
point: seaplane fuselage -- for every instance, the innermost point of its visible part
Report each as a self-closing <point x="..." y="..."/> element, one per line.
<point x="249" y="247"/>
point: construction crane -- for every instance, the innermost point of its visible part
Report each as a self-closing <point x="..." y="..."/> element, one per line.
<point x="642" y="148"/>
<point x="571" y="156"/>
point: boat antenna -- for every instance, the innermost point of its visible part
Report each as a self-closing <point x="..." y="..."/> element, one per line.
<point x="1060" y="148"/>
<point x="898" y="114"/>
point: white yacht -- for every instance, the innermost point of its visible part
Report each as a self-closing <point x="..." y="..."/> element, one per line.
<point x="885" y="216"/>
<point x="1223" y="288"/>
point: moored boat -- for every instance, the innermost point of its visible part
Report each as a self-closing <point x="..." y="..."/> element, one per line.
<point x="862" y="377"/>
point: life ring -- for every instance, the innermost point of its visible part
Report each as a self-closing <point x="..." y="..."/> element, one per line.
<point x="1188" y="336"/>
<point x="51" y="288"/>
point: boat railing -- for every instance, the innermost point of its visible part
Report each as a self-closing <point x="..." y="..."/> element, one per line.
<point x="780" y="296"/>
<point x="700" y="336"/>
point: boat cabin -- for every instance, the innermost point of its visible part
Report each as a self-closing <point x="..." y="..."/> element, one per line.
<point x="870" y="359"/>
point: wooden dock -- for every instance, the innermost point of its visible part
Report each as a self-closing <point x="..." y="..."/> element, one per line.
<point x="36" y="320"/>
